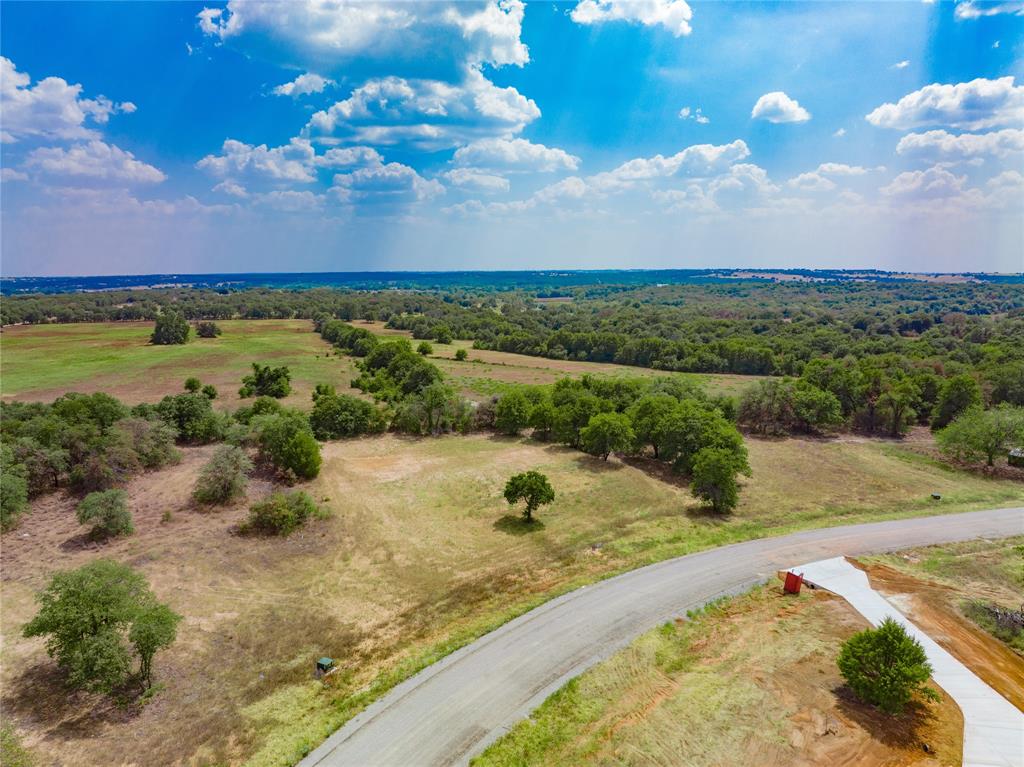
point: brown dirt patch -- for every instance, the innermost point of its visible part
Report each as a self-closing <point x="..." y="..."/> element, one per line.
<point x="932" y="607"/>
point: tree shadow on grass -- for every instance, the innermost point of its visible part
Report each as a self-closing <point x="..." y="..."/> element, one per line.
<point x="40" y="695"/>
<point x="659" y="470"/>
<point x="515" y="524"/>
<point x="894" y="730"/>
<point x="596" y="465"/>
<point x="699" y="512"/>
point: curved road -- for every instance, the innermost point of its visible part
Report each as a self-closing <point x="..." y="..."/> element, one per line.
<point x="452" y="710"/>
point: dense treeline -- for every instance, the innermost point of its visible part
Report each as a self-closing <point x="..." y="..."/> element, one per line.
<point x="740" y="327"/>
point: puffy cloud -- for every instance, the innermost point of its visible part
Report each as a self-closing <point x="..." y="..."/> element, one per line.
<point x="572" y="187"/>
<point x="232" y="188"/>
<point x="969" y="9"/>
<point x="10" y="174"/>
<point x="291" y="162"/>
<point x="392" y="182"/>
<point x="128" y="107"/>
<point x="674" y="15"/>
<point x="901" y="64"/>
<point x="696" y="160"/>
<point x="973" y="105"/>
<point x="303" y="85"/>
<point x="477" y="180"/>
<point x="372" y="38"/>
<point x="935" y="182"/>
<point x="51" y="108"/>
<point x="94" y="160"/>
<point x="777" y="107"/>
<point x="428" y="114"/>
<point x="938" y="145"/>
<point x="515" y="154"/>
<point x="348" y="156"/>
<point x="840" y="132"/>
<point x="745" y="184"/>
<point x="811" y="182"/>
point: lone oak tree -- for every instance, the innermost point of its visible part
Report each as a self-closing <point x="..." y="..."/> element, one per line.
<point x="532" y="487"/>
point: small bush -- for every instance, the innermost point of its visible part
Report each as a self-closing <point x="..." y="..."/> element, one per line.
<point x="108" y="511"/>
<point x="885" y="666"/>
<point x="223" y="478"/>
<point x="286" y="440"/>
<point x="461" y="355"/>
<point x="208" y="330"/>
<point x="266" y="381"/>
<point x="193" y="384"/>
<point x="170" y="328"/>
<point x="210" y="391"/>
<point x="425" y="348"/>
<point x="281" y="513"/>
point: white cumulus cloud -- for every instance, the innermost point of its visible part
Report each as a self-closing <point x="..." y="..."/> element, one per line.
<point x="51" y="108"/>
<point x="936" y="145"/>
<point x="935" y="182"/>
<point x="94" y="159"/>
<point x="303" y="85"/>
<point x="515" y="154"/>
<point x="777" y="107"/>
<point x="476" y="179"/>
<point x="673" y="15"/>
<point x="973" y="105"/>
<point x="427" y="114"/>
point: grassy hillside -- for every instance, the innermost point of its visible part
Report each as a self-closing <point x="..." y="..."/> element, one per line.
<point x="420" y="555"/>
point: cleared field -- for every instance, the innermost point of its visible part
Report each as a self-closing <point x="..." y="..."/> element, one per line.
<point x="491" y="372"/>
<point x="41" y="362"/>
<point x="421" y="555"/>
<point x="750" y="681"/>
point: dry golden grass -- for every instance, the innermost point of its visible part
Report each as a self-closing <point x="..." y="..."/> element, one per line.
<point x="420" y="555"/>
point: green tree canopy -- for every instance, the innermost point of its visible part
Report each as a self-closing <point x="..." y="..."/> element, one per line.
<point x="885" y="666"/>
<point x="983" y="434"/>
<point x="607" y="433"/>
<point x="532" y="487"/>
<point x="171" y="328"/>
<point x="87" y="614"/>
<point x="958" y="393"/>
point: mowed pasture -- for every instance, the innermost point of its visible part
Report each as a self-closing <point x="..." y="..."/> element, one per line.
<point x="420" y="555"/>
<point x="41" y="362"/>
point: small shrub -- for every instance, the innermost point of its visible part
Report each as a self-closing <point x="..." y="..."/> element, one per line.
<point x="208" y="329"/>
<point x="170" y="328"/>
<point x="223" y="478"/>
<point x="108" y="511"/>
<point x="461" y="355"/>
<point x="425" y="348"/>
<point x="266" y="381"/>
<point x="281" y="513"/>
<point x="885" y="666"/>
<point x="286" y="440"/>
<point x="210" y="391"/>
<point x="193" y="384"/>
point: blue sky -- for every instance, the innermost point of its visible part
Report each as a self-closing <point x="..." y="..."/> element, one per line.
<point x="263" y="136"/>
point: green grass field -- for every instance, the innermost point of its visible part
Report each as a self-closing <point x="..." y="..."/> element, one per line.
<point x="41" y="362"/>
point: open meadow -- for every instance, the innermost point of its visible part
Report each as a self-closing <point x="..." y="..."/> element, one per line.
<point x="420" y="554"/>
<point x="41" y="362"/>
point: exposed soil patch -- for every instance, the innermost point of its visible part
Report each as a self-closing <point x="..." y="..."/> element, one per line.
<point x="931" y="606"/>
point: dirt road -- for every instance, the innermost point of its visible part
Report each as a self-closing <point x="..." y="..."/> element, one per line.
<point x="452" y="710"/>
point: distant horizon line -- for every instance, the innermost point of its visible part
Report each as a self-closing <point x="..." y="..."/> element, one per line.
<point x="546" y="270"/>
